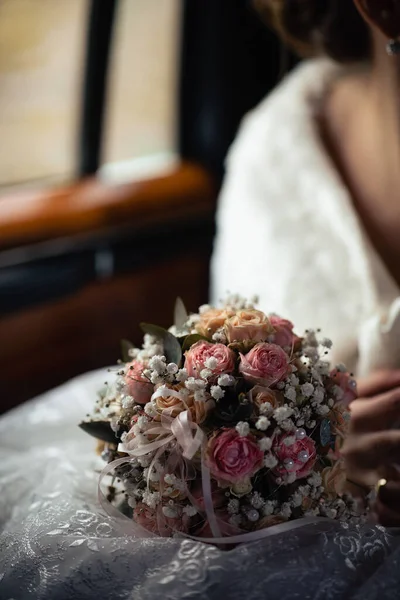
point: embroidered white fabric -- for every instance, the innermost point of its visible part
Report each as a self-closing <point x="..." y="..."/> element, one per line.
<point x="56" y="543"/>
<point x="287" y="207"/>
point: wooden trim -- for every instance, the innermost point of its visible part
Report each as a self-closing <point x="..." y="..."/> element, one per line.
<point x="91" y="205"/>
<point x="47" y="344"/>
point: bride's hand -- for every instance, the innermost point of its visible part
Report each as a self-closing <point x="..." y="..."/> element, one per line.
<point x="372" y="448"/>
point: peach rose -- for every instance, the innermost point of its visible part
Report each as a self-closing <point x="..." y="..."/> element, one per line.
<point x="138" y="386"/>
<point x="174" y="400"/>
<point x="200" y="409"/>
<point x="197" y="355"/>
<point x="233" y="458"/>
<point x="334" y="480"/>
<point x="265" y="364"/>
<point x="248" y="324"/>
<point x="283" y="335"/>
<point x="340" y="419"/>
<point x="299" y="458"/>
<point x="212" y="320"/>
<point x="259" y="395"/>
<point x="180" y="400"/>
<point x="156" y="522"/>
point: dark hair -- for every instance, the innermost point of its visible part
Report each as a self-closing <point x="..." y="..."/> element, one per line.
<point x="333" y="27"/>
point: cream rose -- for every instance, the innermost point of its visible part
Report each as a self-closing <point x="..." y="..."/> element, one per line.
<point x="176" y="399"/>
<point x="212" y="320"/>
<point x="260" y="395"/>
<point x="248" y="324"/>
<point x="173" y="399"/>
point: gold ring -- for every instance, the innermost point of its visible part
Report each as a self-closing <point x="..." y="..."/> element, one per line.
<point x="381" y="483"/>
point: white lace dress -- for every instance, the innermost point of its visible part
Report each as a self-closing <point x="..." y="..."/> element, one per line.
<point x="300" y="247"/>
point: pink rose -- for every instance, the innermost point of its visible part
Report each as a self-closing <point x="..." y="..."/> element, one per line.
<point x="347" y="384"/>
<point x="138" y="386"/>
<point x="198" y="354"/>
<point x="298" y="458"/>
<point x="156" y="522"/>
<point x="265" y="364"/>
<point x="233" y="458"/>
<point x="283" y="335"/>
<point x="248" y="324"/>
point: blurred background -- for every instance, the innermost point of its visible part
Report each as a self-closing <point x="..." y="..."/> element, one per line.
<point x="115" y="118"/>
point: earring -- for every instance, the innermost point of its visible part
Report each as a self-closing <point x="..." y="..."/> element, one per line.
<point x="393" y="47"/>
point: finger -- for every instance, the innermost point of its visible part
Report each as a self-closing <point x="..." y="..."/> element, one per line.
<point x="378" y="382"/>
<point x="381" y="412"/>
<point x="386" y="516"/>
<point x="373" y="450"/>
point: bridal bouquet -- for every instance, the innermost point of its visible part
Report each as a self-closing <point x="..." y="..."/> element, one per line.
<point x="225" y="425"/>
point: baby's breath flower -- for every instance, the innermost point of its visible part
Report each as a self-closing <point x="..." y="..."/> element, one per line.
<point x="314" y="479"/>
<point x="211" y="362"/>
<point x="257" y="501"/>
<point x="127" y="402"/>
<point x="150" y="409"/>
<point x="204" y="308"/>
<point x="286" y="511"/>
<point x="270" y="461"/>
<point x="189" y="510"/>
<point x="233" y="506"/>
<point x="263" y="423"/>
<point x="219" y="337"/>
<point x="206" y="373"/>
<point x="290" y="393"/>
<point x="243" y="428"/>
<point x="158" y="364"/>
<point x="182" y="375"/>
<point x="265" y="409"/>
<point x="268" y="508"/>
<point x="170" y="512"/>
<point x="307" y="389"/>
<point x="289" y="441"/>
<point x="282" y="413"/>
<point x="265" y="444"/>
<point x="217" y="392"/>
<point x="226" y="380"/>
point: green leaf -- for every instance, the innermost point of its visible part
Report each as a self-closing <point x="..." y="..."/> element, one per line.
<point x="172" y="347"/>
<point x="101" y="430"/>
<point x="180" y="314"/>
<point x="192" y="339"/>
<point x="126" y="345"/>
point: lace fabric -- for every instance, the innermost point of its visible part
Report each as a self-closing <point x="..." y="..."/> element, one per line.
<point x="55" y="541"/>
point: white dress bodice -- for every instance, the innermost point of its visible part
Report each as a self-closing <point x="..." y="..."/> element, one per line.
<point x="287" y="230"/>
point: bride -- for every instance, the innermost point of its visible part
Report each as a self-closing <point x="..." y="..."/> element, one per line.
<point x="309" y="221"/>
